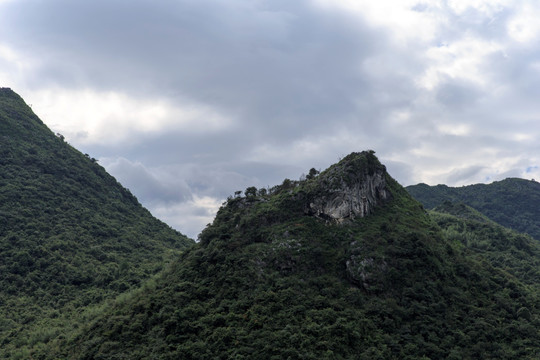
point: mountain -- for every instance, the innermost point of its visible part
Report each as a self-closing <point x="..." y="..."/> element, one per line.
<point x="514" y="252"/>
<point x="71" y="237"/>
<point x="342" y="265"/>
<point x="511" y="202"/>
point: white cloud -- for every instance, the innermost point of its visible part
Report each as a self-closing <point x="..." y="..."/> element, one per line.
<point x="407" y="21"/>
<point x="188" y="217"/>
<point x="9" y="55"/>
<point x="13" y="66"/>
<point x="524" y="26"/>
<point x="487" y="7"/>
<point x="454" y="129"/>
<point x="463" y="59"/>
<point x="112" y="118"/>
<point x="209" y="97"/>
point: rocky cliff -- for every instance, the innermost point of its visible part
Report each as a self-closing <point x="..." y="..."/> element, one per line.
<point x="353" y="188"/>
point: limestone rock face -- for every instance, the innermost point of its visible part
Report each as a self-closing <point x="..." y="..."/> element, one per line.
<point x="351" y="191"/>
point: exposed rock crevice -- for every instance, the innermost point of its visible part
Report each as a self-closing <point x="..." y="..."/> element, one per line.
<point x="355" y="194"/>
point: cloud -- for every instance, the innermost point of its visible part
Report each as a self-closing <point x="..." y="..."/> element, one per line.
<point x="187" y="101"/>
<point x="191" y="216"/>
<point x="205" y="50"/>
<point x="463" y="175"/>
<point x="186" y="196"/>
<point x="463" y="59"/>
<point x="523" y="26"/>
<point x="149" y="185"/>
<point x="279" y="70"/>
<point x="115" y="119"/>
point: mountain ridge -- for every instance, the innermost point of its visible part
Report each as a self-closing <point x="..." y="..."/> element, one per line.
<point x="516" y="253"/>
<point x="511" y="202"/>
<point x="270" y="278"/>
<point x="342" y="264"/>
<point x="71" y="235"/>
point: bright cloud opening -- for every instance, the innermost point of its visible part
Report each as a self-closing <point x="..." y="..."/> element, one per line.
<point x="463" y="59"/>
<point x="111" y="118"/>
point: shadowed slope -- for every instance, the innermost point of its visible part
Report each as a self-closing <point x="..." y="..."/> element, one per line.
<point x="273" y="279"/>
<point x="511" y="202"/>
<point x="70" y="235"/>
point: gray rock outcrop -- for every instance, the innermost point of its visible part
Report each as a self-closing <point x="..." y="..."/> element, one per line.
<point x="347" y="197"/>
<point x="366" y="272"/>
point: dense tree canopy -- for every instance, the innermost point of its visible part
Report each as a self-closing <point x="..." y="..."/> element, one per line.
<point x="268" y="281"/>
<point x="87" y="273"/>
<point x="70" y="235"/>
<point x="511" y="202"/>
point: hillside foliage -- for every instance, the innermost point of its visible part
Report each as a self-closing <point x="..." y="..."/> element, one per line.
<point x="511" y="202"/>
<point x="70" y="235"/>
<point x="267" y="281"/>
<point x="87" y="273"/>
<point x="515" y="253"/>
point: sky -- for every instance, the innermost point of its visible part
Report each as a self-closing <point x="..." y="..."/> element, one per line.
<point x="187" y="101"/>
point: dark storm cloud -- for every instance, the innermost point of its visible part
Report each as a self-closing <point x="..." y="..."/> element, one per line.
<point x="282" y="71"/>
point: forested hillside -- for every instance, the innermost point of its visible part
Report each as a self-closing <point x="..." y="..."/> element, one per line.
<point x="342" y="265"/>
<point x="512" y="202"/>
<point x="71" y="237"/>
<point x="514" y="252"/>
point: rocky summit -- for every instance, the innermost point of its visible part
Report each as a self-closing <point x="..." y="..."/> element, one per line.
<point x="351" y="189"/>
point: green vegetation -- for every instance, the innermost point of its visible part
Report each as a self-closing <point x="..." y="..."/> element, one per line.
<point x="511" y="202"/>
<point x="269" y="281"/>
<point x="87" y="273"/>
<point x="71" y="237"/>
<point x="515" y="253"/>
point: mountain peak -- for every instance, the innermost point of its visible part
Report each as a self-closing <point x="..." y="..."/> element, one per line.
<point x="17" y="120"/>
<point x="352" y="188"/>
<point x="276" y="276"/>
<point x="349" y="189"/>
<point x="6" y="91"/>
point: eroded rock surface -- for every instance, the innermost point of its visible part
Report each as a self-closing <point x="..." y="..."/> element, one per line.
<point x="350" y="192"/>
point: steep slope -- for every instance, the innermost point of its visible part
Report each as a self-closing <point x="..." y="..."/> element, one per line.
<point x="344" y="265"/>
<point x="514" y="252"/>
<point x="511" y="202"/>
<point x="70" y="235"/>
